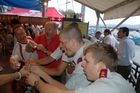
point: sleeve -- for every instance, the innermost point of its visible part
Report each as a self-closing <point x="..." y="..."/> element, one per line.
<point x="37" y="39"/>
<point x="65" y="58"/>
<point x="107" y="40"/>
<point x="57" y="54"/>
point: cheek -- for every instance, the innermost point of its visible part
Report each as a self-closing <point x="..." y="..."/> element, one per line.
<point x="68" y="47"/>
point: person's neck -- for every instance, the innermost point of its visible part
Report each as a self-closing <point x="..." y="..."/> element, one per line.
<point x="23" y="42"/>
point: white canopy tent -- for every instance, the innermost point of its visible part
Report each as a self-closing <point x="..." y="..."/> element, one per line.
<point x="113" y="9"/>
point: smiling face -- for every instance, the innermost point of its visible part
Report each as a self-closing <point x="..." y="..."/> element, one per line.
<point x="50" y="29"/>
<point x="20" y="35"/>
<point x="66" y="45"/>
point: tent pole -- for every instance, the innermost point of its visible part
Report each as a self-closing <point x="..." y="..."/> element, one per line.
<point x="44" y="7"/>
<point x="103" y="22"/>
<point x="97" y="23"/>
<point x="83" y="12"/>
<point x="126" y="18"/>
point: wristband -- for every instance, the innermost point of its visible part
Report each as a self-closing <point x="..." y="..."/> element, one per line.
<point x="19" y="76"/>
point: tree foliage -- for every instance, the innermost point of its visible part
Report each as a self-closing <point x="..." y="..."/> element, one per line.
<point x="69" y="13"/>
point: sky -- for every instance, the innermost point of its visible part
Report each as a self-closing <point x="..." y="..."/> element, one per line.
<point x="61" y="4"/>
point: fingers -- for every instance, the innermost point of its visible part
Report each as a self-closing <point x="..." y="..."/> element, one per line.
<point x="31" y="61"/>
<point x="15" y="65"/>
<point x="31" y="46"/>
<point x="30" y="79"/>
<point x="41" y="47"/>
<point x="24" y="71"/>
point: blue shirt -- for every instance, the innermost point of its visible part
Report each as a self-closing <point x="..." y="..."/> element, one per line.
<point x="126" y="51"/>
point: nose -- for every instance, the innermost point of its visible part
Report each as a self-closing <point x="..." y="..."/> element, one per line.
<point x="83" y="64"/>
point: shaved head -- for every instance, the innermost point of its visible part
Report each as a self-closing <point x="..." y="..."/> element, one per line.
<point x="71" y="32"/>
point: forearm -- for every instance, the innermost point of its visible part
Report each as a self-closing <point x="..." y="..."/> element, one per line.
<point x="51" y="81"/>
<point x="54" y="71"/>
<point x="46" y="60"/>
<point x="49" y="88"/>
<point x="5" y="78"/>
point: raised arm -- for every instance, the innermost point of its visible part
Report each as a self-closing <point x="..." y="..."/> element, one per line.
<point x="56" y="71"/>
<point x="5" y="78"/>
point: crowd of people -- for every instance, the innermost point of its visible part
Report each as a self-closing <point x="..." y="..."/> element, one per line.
<point x="66" y="63"/>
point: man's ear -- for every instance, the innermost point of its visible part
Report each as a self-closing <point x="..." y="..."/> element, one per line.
<point x="100" y="66"/>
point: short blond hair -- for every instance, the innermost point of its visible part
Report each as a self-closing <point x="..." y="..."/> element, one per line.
<point x="103" y="53"/>
<point x="51" y="25"/>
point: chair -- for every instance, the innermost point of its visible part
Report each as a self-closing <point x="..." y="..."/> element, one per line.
<point x="134" y="76"/>
<point x="137" y="88"/>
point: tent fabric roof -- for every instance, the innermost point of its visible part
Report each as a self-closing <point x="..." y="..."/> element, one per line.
<point x="113" y="8"/>
<point x="52" y="12"/>
<point x="18" y="10"/>
<point x="28" y="4"/>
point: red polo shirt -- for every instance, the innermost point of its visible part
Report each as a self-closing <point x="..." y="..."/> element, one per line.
<point x="51" y="46"/>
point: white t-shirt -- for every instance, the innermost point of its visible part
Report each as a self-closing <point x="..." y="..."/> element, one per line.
<point x="110" y="39"/>
<point x="16" y="53"/>
<point x="115" y="83"/>
<point x="78" y="78"/>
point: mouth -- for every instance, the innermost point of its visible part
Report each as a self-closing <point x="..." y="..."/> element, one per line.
<point x="63" y="51"/>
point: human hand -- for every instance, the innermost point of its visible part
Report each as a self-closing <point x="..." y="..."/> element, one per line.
<point x="41" y="47"/>
<point x="37" y="70"/>
<point x="24" y="71"/>
<point x="32" y="78"/>
<point x="31" y="46"/>
<point x="32" y="61"/>
<point x="14" y="64"/>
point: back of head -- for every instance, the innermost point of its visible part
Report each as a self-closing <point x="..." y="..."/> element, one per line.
<point x="71" y="32"/>
<point x="74" y="24"/>
<point x="103" y="53"/>
<point x="125" y="30"/>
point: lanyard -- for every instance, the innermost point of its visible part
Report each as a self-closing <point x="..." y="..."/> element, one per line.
<point x="21" y="52"/>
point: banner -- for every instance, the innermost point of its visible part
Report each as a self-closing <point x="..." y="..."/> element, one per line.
<point x="82" y="26"/>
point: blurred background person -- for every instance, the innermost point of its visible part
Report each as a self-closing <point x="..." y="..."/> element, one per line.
<point x="110" y="39"/>
<point x="96" y="38"/>
<point x="126" y="52"/>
